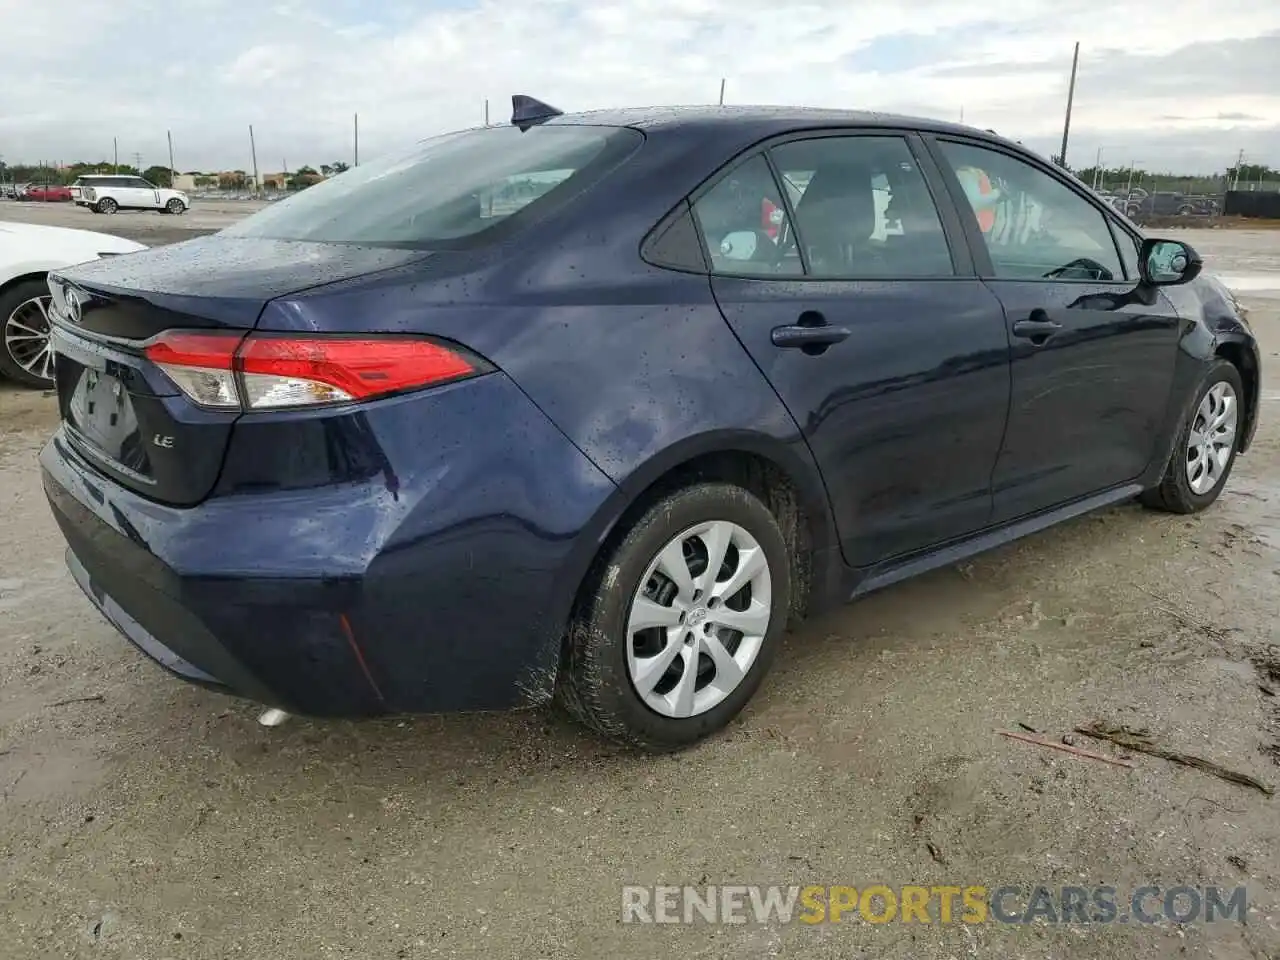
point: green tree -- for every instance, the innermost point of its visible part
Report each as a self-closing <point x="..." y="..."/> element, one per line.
<point x="1252" y="173"/>
<point x="339" y="167"/>
<point x="160" y="176"/>
<point x="303" y="178"/>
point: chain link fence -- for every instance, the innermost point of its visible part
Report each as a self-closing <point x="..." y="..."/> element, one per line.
<point x="1146" y="197"/>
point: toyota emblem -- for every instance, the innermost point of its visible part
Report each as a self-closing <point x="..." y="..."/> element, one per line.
<point x="73" y="306"/>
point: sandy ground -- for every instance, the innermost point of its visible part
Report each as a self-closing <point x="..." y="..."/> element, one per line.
<point x="160" y="821"/>
<point x="144" y="227"/>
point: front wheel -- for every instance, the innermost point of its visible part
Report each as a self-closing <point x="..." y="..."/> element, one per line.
<point x="680" y="621"/>
<point x="175" y="206"/>
<point x="26" y="356"/>
<point x="1205" y="450"/>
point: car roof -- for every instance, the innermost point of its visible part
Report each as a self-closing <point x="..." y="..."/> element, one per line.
<point x="763" y="121"/>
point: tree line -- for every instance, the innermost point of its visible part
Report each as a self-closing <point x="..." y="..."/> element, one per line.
<point x="44" y="173"/>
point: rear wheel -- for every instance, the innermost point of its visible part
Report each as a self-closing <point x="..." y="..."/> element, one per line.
<point x="107" y="205"/>
<point x="680" y="621"/>
<point x="1206" y="448"/>
<point x="25" y="354"/>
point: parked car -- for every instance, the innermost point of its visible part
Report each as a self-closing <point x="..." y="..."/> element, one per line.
<point x="375" y="449"/>
<point x="47" y="194"/>
<point x="1168" y="203"/>
<point x="107" y="194"/>
<point x="27" y="253"/>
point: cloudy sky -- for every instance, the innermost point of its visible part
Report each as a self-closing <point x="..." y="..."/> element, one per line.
<point x="1178" y="84"/>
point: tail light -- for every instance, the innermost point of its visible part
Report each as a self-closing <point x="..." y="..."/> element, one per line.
<point x="263" y="372"/>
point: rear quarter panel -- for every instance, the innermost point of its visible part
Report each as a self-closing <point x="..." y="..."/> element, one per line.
<point x="637" y="368"/>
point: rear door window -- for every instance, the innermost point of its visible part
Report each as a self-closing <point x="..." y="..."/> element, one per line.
<point x="863" y="209"/>
<point x="453" y="190"/>
<point x="743" y="221"/>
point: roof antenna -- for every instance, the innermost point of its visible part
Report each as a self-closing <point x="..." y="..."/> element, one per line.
<point x="526" y="111"/>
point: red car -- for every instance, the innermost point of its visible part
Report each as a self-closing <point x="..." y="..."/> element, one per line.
<point x="51" y="194"/>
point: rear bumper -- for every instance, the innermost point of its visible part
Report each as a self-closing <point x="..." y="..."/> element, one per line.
<point x="440" y="583"/>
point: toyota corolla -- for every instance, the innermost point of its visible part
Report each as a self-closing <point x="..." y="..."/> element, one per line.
<point x="548" y="410"/>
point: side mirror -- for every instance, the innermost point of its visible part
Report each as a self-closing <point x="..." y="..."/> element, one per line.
<point x="1167" y="263"/>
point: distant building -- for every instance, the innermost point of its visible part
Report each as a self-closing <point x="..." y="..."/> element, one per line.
<point x="186" y="182"/>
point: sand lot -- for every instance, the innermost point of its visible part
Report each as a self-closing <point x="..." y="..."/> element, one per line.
<point x="142" y="818"/>
<point x="205" y="216"/>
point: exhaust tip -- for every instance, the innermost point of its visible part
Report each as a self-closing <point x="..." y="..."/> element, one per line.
<point x="272" y="717"/>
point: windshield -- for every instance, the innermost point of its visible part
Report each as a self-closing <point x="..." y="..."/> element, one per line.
<point x="446" y="189"/>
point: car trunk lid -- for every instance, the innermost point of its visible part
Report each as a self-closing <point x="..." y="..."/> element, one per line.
<point x="119" y="409"/>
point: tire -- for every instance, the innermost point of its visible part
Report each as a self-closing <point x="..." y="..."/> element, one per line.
<point x="10" y="300"/>
<point x="1176" y="493"/>
<point x="106" y="205"/>
<point x="175" y="207"/>
<point x="605" y="649"/>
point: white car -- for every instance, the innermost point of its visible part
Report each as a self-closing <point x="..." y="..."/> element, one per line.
<point x="106" y="193"/>
<point x="27" y="253"/>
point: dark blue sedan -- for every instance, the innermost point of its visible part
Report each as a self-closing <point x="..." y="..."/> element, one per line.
<point x="594" y="406"/>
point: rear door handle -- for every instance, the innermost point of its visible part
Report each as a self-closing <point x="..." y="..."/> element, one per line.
<point x="812" y="334"/>
<point x="798" y="336"/>
<point x="1040" y="330"/>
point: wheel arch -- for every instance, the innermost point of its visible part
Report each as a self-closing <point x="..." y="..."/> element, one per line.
<point x="782" y="474"/>
<point x="1241" y="355"/>
<point x="23" y="277"/>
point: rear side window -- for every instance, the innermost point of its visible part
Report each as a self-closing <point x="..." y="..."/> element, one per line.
<point x="743" y="221"/>
<point x="453" y="190"/>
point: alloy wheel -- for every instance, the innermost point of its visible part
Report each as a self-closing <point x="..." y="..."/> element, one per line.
<point x="1212" y="438"/>
<point x="698" y="619"/>
<point x="26" y="337"/>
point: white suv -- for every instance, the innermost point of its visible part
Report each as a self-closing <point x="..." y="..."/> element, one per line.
<point x="108" y="193"/>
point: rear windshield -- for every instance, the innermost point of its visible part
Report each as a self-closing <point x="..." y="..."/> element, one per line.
<point x="447" y="191"/>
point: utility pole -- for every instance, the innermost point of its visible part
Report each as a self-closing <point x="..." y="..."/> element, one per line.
<point x="1097" y="170"/>
<point x="1235" y="183"/>
<point x="1071" y="95"/>
<point x="172" y="172"/>
<point x="115" y="155"/>
<point x="722" y="82"/>
<point x="1129" y="189"/>
<point x="486" y="112"/>
<point x="253" y="152"/>
<point x="355" y="128"/>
